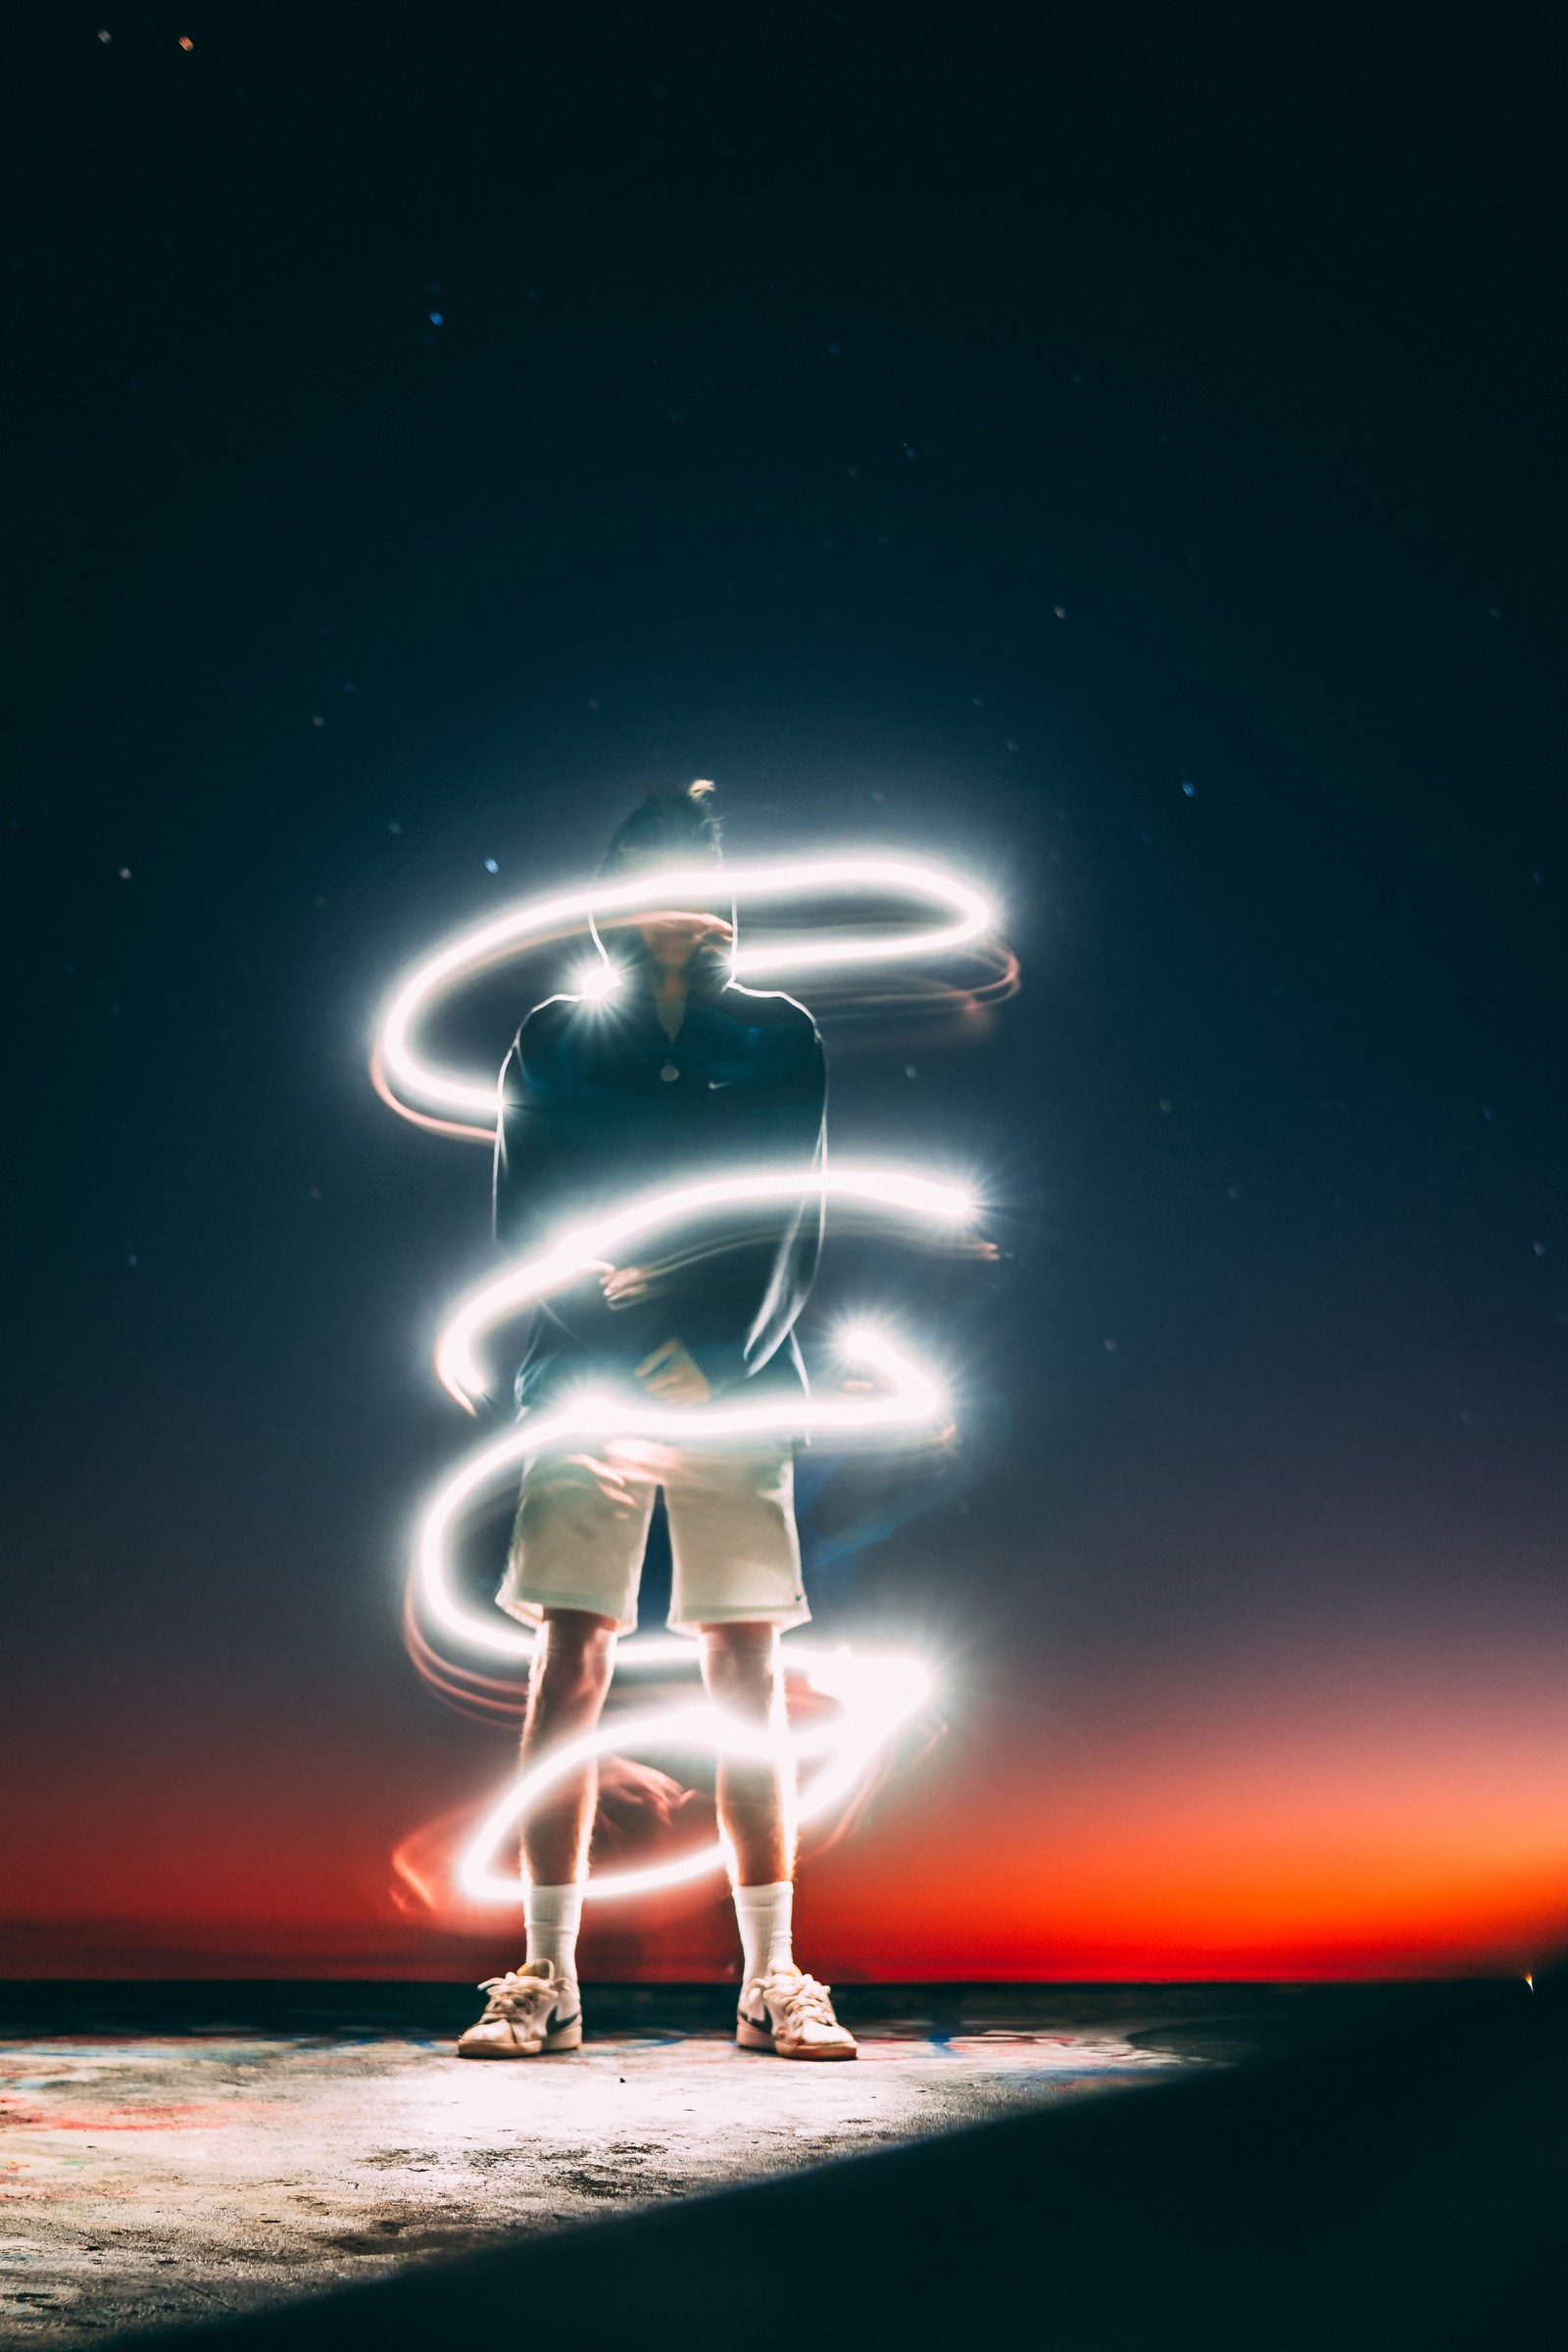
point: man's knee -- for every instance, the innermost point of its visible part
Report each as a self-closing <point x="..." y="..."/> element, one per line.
<point x="740" y="1662"/>
<point x="578" y="1657"/>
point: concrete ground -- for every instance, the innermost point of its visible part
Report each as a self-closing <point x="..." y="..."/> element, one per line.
<point x="151" y="2178"/>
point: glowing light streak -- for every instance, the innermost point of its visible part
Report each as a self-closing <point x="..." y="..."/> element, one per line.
<point x="910" y="1401"/>
<point x="405" y="1080"/>
<point x="582" y="1248"/>
<point x="877" y="1696"/>
<point x="874" y="1694"/>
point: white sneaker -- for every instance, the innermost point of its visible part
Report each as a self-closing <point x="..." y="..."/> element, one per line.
<point x="791" y="2016"/>
<point x="523" y="2014"/>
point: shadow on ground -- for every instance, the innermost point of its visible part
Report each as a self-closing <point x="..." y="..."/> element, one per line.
<point x="1353" y="2168"/>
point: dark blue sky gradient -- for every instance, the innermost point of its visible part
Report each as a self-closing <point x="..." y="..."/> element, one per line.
<point x="785" y="387"/>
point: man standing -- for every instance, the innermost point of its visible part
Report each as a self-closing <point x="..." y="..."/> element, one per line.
<point x="676" y="1073"/>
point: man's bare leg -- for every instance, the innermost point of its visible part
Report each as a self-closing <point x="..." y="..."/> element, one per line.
<point x="755" y="1800"/>
<point x="537" y="2008"/>
<point x="572" y="1669"/>
<point x="781" y="2010"/>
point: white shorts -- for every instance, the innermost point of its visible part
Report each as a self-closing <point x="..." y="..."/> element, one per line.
<point x="583" y="1528"/>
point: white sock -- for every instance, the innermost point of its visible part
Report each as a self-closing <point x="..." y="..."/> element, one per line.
<point x="764" y="1914"/>
<point x="554" y="1914"/>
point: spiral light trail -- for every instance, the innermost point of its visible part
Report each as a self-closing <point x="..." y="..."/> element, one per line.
<point x="886" y="1394"/>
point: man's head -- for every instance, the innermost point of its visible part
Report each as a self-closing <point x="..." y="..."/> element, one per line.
<point x="673" y="827"/>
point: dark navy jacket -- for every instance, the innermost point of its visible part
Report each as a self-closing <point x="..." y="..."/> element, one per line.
<point x="598" y="1105"/>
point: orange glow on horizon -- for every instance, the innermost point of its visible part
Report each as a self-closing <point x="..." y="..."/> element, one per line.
<point x="1365" y="1813"/>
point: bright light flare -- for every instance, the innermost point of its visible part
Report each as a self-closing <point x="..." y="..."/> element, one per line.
<point x="595" y="980"/>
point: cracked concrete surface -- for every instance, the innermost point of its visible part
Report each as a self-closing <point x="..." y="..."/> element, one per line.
<point x="153" y="2180"/>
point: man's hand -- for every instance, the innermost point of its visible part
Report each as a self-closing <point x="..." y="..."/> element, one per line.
<point x="671" y="1375"/>
<point x="624" y="1286"/>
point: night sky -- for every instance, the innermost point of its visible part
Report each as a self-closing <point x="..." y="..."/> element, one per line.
<point x="1118" y="450"/>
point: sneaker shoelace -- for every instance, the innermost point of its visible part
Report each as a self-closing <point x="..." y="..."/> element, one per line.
<point x="523" y="2000"/>
<point x="804" y="2003"/>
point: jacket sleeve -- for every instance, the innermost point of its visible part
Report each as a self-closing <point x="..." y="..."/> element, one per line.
<point x="539" y="1155"/>
<point x="549" y="1164"/>
<point x="537" y="1175"/>
<point x="508" y="1182"/>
